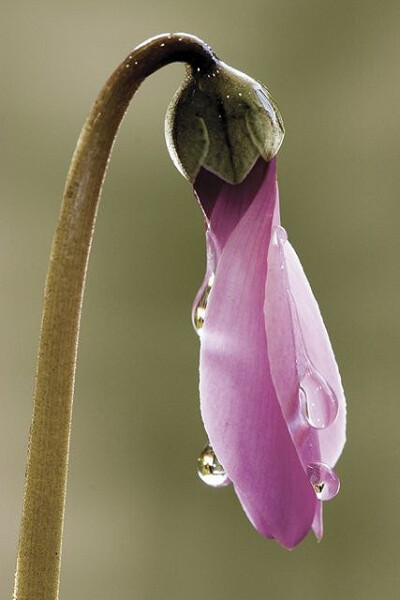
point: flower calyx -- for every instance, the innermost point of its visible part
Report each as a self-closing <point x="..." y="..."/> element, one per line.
<point x="222" y="120"/>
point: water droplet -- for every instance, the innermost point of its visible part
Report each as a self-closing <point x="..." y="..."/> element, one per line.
<point x="210" y="470"/>
<point x="324" y="480"/>
<point x="281" y="235"/>
<point x="265" y="100"/>
<point x="200" y="310"/>
<point x="319" y="400"/>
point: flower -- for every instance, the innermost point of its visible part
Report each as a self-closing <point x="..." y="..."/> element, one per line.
<point x="271" y="396"/>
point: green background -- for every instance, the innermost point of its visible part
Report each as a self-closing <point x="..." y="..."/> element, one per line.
<point x="139" y="523"/>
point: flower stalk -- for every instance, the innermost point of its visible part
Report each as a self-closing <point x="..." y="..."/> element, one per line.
<point x="39" y="552"/>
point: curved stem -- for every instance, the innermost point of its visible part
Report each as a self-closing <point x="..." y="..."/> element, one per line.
<point x="39" y="552"/>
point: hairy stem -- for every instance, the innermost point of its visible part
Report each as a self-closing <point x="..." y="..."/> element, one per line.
<point x="39" y="552"/>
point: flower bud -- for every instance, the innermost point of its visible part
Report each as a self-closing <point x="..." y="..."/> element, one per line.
<point x="222" y="120"/>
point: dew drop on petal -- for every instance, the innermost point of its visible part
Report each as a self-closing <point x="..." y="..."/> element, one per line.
<point x="324" y="480"/>
<point x="281" y="235"/>
<point x="210" y="470"/>
<point x="318" y="399"/>
<point x="200" y="310"/>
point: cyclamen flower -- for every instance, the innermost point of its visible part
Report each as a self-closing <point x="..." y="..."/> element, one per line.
<point x="271" y="396"/>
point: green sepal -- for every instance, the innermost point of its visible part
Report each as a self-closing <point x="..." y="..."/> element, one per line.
<point x="222" y="120"/>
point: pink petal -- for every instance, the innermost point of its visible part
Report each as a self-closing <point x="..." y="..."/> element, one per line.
<point x="225" y="204"/>
<point x="319" y="349"/>
<point x="242" y="414"/>
<point x="318" y="525"/>
<point x="297" y="341"/>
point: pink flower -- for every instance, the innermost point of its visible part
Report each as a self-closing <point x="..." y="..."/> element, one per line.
<point x="271" y="396"/>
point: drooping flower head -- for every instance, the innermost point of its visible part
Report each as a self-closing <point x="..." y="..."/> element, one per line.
<point x="271" y="396"/>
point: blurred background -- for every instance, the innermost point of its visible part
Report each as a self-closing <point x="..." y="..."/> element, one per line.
<point x="139" y="523"/>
